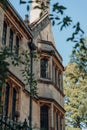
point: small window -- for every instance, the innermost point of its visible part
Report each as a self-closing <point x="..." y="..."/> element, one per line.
<point x="44" y="68"/>
<point x="17" y="46"/>
<point x="11" y="40"/>
<point x="4" y="33"/>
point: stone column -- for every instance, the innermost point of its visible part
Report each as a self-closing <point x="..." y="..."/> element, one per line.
<point x="52" y="118"/>
<point x="62" y="81"/>
<point x="50" y="68"/>
<point x="1" y="24"/>
<point x="57" y="77"/>
<point x="58" y="121"/>
<point x="53" y="74"/>
<point x="63" y="123"/>
<point x="7" y="36"/>
<point x="14" y="42"/>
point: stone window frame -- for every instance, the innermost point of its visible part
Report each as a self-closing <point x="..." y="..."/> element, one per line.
<point x="15" y="34"/>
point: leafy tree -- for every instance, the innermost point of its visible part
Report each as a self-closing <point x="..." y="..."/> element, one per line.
<point x="75" y="99"/>
<point x="75" y="82"/>
<point x="79" y="56"/>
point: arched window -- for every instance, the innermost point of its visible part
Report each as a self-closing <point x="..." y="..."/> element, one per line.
<point x="44" y="68"/>
<point x="44" y="125"/>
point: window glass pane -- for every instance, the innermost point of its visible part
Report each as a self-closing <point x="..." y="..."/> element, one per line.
<point x="0" y="93"/>
<point x="60" y="123"/>
<point x="57" y="121"/>
<point x="4" y="33"/>
<point x="55" y="75"/>
<point x="11" y="40"/>
<point x="7" y="99"/>
<point x="44" y="68"/>
<point x="17" y="45"/>
<point x="13" y="103"/>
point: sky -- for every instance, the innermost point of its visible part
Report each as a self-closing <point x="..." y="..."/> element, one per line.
<point x="76" y="9"/>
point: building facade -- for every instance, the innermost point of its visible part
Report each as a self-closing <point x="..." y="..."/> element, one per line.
<point x="48" y="109"/>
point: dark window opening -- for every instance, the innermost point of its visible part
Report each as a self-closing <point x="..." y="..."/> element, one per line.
<point x="56" y="76"/>
<point x="60" y="123"/>
<point x="0" y="93"/>
<point x="56" y="121"/>
<point x="44" y="118"/>
<point x="11" y="40"/>
<point x="44" y="68"/>
<point x="17" y="46"/>
<point x="7" y="99"/>
<point x="13" y="103"/>
<point x="4" y="33"/>
<point x="59" y="80"/>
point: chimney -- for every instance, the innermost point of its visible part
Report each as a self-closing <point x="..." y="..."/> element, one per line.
<point x="26" y="21"/>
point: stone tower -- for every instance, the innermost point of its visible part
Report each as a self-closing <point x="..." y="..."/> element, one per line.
<point x="41" y="26"/>
<point x="35" y="13"/>
<point x="48" y="71"/>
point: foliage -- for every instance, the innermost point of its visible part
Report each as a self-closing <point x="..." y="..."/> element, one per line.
<point x="75" y="81"/>
<point x="75" y="100"/>
<point x="79" y="56"/>
<point x="5" y="54"/>
<point x="7" y="124"/>
<point x="26" y="71"/>
<point x="4" y="3"/>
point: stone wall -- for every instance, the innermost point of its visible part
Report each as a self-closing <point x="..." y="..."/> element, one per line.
<point x="50" y="92"/>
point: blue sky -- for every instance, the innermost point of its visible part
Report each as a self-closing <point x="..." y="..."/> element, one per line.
<point x="76" y="9"/>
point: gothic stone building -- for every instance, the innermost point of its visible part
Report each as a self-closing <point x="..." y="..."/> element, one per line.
<point x="48" y="109"/>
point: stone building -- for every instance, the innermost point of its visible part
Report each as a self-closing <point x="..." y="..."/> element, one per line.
<point x="48" y="109"/>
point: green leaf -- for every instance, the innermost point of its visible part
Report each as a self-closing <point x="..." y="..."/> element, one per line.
<point x="28" y="7"/>
<point x="22" y="2"/>
<point x="53" y="22"/>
